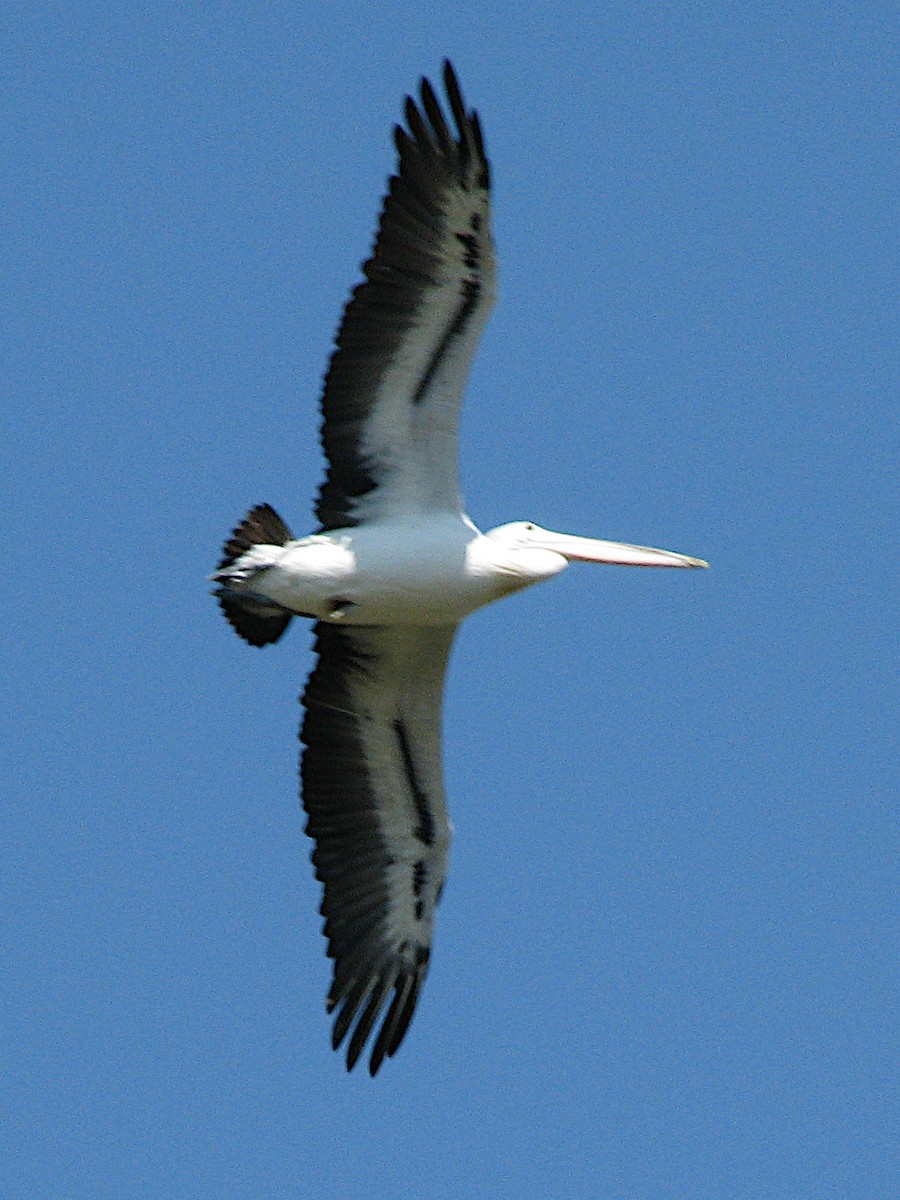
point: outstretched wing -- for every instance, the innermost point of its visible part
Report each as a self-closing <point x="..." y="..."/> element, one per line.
<point x="374" y="795"/>
<point x="394" y="386"/>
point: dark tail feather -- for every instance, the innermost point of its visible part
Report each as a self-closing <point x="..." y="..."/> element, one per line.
<point x="262" y="526"/>
<point x="258" y="622"/>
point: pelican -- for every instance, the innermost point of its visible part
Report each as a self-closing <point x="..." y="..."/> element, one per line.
<point x="392" y="569"/>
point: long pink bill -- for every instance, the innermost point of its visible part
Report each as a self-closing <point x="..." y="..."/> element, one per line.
<point x="581" y="549"/>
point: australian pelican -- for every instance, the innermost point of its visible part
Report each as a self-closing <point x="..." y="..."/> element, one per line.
<point x="393" y="568"/>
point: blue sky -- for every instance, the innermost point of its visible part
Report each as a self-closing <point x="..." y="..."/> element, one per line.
<point x="663" y="959"/>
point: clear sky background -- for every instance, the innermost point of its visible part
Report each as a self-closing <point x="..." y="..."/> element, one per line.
<point x="663" y="960"/>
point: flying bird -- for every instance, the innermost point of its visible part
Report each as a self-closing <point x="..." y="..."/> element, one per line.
<point x="392" y="569"/>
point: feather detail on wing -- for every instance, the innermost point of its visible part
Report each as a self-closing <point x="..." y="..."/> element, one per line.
<point x="373" y="792"/>
<point x="394" y="386"/>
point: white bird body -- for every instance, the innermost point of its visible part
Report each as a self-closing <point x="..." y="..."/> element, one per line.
<point x="394" y="567"/>
<point x="417" y="569"/>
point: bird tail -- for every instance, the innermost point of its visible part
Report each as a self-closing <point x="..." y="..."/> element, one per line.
<point x="255" y="618"/>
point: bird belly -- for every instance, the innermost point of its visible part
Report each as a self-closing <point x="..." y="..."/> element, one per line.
<point x="375" y="577"/>
<point x="408" y="599"/>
